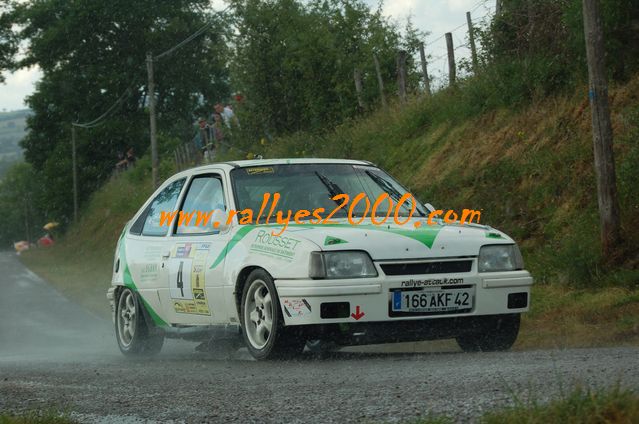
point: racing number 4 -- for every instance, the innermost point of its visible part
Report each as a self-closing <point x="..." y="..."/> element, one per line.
<point x="180" y="281"/>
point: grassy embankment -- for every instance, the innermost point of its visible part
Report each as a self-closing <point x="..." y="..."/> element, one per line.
<point x="529" y="169"/>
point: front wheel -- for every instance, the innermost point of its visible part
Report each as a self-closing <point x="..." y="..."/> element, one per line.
<point x="492" y="333"/>
<point x="131" y="330"/>
<point x="262" y="322"/>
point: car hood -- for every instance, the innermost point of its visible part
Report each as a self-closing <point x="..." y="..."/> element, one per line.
<point x="394" y="241"/>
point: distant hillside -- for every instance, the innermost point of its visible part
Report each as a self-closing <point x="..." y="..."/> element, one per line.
<point x="12" y="130"/>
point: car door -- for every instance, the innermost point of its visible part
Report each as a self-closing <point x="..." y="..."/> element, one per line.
<point x="147" y="243"/>
<point x="192" y="292"/>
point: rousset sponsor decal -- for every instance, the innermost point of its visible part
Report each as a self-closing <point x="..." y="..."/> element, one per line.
<point x="280" y="246"/>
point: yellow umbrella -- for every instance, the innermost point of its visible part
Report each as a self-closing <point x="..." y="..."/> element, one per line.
<point x="51" y="225"/>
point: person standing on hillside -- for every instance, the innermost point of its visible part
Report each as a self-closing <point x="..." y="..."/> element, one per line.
<point x="204" y="133"/>
<point x="227" y="114"/>
<point x="218" y="133"/>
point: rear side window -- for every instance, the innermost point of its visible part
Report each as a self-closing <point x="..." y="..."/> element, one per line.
<point x="149" y="222"/>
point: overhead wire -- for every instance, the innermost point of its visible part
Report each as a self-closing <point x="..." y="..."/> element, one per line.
<point x="120" y="100"/>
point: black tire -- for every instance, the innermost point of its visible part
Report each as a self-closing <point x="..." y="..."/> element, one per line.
<point x="134" y="335"/>
<point x="491" y="333"/>
<point x="278" y="341"/>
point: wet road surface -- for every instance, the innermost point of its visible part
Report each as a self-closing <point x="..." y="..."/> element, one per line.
<point x="56" y="355"/>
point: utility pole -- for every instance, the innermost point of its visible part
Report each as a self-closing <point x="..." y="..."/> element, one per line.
<point x="497" y="7"/>
<point x="27" y="224"/>
<point x="452" y="73"/>
<point x="601" y="128"/>
<point x="471" y="39"/>
<point x="75" y="174"/>
<point x="401" y="74"/>
<point x="380" y="81"/>
<point x="152" y="123"/>
<point x="422" y="55"/>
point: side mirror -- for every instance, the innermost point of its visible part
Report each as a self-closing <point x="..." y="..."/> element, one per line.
<point x="429" y="207"/>
<point x="221" y="217"/>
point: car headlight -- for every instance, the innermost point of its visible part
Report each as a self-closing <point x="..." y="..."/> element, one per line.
<point x="341" y="264"/>
<point x="500" y="257"/>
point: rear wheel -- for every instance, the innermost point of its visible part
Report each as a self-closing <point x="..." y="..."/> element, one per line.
<point x="133" y="334"/>
<point x="492" y="333"/>
<point x="262" y="322"/>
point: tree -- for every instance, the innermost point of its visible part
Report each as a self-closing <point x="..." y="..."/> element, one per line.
<point x="411" y="41"/>
<point x="294" y="61"/>
<point x="8" y="42"/>
<point x="92" y="55"/>
<point x="21" y="201"/>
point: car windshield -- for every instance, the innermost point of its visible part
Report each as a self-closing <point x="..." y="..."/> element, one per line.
<point x="311" y="187"/>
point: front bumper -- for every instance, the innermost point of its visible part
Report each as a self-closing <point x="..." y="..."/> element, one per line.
<point x="308" y="302"/>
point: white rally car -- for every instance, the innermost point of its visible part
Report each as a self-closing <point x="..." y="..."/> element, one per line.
<point x="315" y="281"/>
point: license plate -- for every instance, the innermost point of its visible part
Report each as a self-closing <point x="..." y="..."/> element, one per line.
<point x="432" y="300"/>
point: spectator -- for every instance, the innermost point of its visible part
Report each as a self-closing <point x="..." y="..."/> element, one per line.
<point x="230" y="117"/>
<point x="130" y="158"/>
<point x="217" y="131"/>
<point x="227" y="114"/>
<point x="204" y="133"/>
<point x="121" y="163"/>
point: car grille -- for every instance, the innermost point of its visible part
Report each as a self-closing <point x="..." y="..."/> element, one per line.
<point x="418" y="268"/>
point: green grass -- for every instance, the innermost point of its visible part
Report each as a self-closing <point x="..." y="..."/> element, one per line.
<point x="517" y="173"/>
<point x="80" y="264"/>
<point x="580" y="406"/>
<point x="530" y="170"/>
<point x="563" y="317"/>
<point x="36" y="417"/>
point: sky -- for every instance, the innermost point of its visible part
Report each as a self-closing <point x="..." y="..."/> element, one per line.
<point x="434" y="16"/>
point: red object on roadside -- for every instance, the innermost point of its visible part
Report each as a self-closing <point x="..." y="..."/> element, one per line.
<point x="45" y="241"/>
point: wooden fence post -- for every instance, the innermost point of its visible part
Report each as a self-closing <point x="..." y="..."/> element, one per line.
<point x="380" y="81"/>
<point x="452" y="73"/>
<point x="401" y="74"/>
<point x="601" y="128"/>
<point x="422" y="55"/>
<point x="471" y="40"/>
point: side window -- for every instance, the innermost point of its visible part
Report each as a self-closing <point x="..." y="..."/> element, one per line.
<point x="136" y="228"/>
<point x="204" y="196"/>
<point x="164" y="202"/>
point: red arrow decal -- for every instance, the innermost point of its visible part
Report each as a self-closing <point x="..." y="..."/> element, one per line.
<point x="358" y="314"/>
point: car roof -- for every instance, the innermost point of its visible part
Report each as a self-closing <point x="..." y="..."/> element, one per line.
<point x="267" y="162"/>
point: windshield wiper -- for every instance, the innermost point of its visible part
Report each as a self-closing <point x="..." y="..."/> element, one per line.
<point x="388" y="188"/>
<point x="333" y="189"/>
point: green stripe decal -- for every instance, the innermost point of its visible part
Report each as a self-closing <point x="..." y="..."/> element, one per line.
<point x="128" y="282"/>
<point x="236" y="238"/>
<point x="425" y="235"/>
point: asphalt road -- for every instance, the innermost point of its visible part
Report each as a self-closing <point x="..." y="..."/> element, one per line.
<point x="55" y="355"/>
